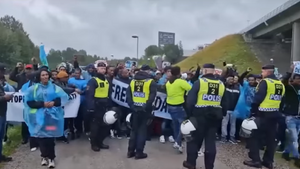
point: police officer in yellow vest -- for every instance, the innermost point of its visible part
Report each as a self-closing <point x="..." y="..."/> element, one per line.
<point x="140" y="94"/>
<point x="204" y="102"/>
<point x="97" y="98"/>
<point x="265" y="107"/>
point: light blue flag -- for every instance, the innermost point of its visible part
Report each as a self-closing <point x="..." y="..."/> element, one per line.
<point x="43" y="56"/>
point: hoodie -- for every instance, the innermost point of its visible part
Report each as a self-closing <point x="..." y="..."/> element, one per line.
<point x="153" y="90"/>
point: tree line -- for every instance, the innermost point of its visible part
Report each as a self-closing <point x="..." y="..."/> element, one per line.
<point x="16" y="46"/>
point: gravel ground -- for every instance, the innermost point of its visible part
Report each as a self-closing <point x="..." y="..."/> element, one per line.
<point x="234" y="155"/>
<point x="77" y="155"/>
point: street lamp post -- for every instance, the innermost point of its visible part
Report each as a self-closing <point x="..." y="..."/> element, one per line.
<point x="137" y="46"/>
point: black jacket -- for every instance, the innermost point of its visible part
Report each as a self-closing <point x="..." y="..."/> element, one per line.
<point x="20" y="78"/>
<point x="290" y="102"/>
<point x="3" y="101"/>
<point x="232" y="93"/>
<point x="153" y="90"/>
<point x="91" y="101"/>
<point x="65" y="87"/>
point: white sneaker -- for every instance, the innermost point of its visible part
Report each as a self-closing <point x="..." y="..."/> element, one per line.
<point x="171" y="139"/>
<point x="200" y="153"/>
<point x="175" y="145"/>
<point x="180" y="149"/>
<point x="162" y="139"/>
<point x="44" y="162"/>
<point x="33" y="149"/>
<point x="119" y="137"/>
<point x="51" y="164"/>
<point x="112" y="134"/>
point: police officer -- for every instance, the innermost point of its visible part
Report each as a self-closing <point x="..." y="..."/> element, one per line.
<point x="204" y="102"/>
<point x="265" y="106"/>
<point x="140" y="94"/>
<point x="97" y="98"/>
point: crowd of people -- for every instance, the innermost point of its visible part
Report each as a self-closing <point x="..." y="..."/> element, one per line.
<point x="214" y="104"/>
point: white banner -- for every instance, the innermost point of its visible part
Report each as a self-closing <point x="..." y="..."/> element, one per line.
<point x="16" y="105"/>
<point x="119" y="96"/>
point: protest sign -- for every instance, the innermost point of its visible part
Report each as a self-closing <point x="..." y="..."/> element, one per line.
<point x="296" y="67"/>
<point x="15" y="107"/>
<point x="119" y="96"/>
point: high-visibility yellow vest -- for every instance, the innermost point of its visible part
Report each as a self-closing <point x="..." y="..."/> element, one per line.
<point x="103" y="88"/>
<point x="140" y="91"/>
<point x="275" y="92"/>
<point x="210" y="93"/>
<point x="176" y="91"/>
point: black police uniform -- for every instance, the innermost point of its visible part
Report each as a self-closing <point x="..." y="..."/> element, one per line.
<point x="97" y="98"/>
<point x="208" y="118"/>
<point x="268" y="120"/>
<point x="141" y="111"/>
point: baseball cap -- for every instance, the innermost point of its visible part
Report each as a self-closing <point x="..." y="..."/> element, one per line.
<point x="28" y="66"/>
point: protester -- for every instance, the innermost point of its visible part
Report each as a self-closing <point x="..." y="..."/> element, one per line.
<point x="21" y="76"/>
<point x="232" y="92"/>
<point x="44" y="115"/>
<point x="4" y="98"/>
<point x="291" y="112"/>
<point x="176" y="92"/>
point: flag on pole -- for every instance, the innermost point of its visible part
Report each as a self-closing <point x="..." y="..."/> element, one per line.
<point x="43" y="56"/>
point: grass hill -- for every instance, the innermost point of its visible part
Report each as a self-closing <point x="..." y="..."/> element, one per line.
<point x="231" y="49"/>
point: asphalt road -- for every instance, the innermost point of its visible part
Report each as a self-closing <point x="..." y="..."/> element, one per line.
<point x="77" y="155"/>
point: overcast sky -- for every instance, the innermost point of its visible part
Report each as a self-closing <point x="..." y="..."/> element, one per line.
<point x="105" y="27"/>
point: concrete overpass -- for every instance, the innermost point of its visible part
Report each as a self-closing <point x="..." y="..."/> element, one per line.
<point x="284" y="18"/>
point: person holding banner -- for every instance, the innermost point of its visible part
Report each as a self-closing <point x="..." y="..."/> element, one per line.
<point x="176" y="91"/>
<point x="140" y="94"/>
<point x="205" y="102"/>
<point x="97" y="99"/>
<point x="4" y="98"/>
<point x="44" y="115"/>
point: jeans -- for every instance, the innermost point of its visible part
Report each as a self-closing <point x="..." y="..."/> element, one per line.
<point x="229" y="118"/>
<point x="166" y="127"/>
<point x="178" y="115"/>
<point x="293" y="126"/>
<point x="2" y="131"/>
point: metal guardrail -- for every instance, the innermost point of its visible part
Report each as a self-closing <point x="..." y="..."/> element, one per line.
<point x="270" y="15"/>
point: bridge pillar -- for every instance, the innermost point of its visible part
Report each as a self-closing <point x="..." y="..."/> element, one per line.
<point x="296" y="42"/>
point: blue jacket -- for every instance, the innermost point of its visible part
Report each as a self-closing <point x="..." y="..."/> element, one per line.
<point x="80" y="84"/>
<point x="243" y="106"/>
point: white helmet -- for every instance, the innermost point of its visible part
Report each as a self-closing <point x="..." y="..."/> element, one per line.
<point x="110" y="117"/>
<point x="248" y="125"/>
<point x="128" y="120"/>
<point x="187" y="127"/>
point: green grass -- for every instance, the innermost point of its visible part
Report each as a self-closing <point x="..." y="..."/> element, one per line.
<point x="231" y="49"/>
<point x="14" y="137"/>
